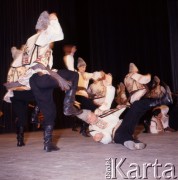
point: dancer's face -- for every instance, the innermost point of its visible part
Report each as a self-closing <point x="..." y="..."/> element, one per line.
<point x="82" y="69"/>
<point x="74" y="49"/>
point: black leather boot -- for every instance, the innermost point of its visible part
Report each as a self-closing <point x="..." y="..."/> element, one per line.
<point x="20" y="136"/>
<point x="84" y="129"/>
<point x="48" y="145"/>
<point x="146" y="125"/>
<point x="166" y="99"/>
<point x="75" y="124"/>
<point x="69" y="108"/>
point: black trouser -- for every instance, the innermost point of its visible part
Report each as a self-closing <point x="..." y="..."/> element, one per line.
<point x="126" y="129"/>
<point x="42" y="88"/>
<point x="173" y="117"/>
<point x="86" y="103"/>
<point x="20" y="102"/>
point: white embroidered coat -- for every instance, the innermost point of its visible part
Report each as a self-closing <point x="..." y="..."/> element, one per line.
<point x="111" y="121"/>
<point x="135" y="82"/>
<point x="31" y="55"/>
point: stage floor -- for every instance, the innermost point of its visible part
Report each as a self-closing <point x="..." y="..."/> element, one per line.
<point x="80" y="158"/>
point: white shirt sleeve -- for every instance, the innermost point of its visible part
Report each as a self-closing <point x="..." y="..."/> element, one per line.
<point x="95" y="75"/>
<point x="69" y="62"/>
<point x="51" y="34"/>
<point x="87" y="76"/>
<point x="110" y="94"/>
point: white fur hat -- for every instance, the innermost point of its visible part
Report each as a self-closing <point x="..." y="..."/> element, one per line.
<point x="132" y="68"/>
<point x="43" y="21"/>
<point x="164" y="109"/>
<point x="81" y="62"/>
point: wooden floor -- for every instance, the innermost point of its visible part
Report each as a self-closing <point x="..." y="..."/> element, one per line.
<point x="80" y="158"/>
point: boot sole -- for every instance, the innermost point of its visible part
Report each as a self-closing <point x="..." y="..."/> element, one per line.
<point x="51" y="149"/>
<point x="134" y="146"/>
<point x="20" y="145"/>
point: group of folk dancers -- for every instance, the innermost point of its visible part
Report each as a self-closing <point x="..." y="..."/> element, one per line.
<point x="31" y="78"/>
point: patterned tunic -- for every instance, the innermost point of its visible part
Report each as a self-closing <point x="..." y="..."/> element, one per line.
<point x="135" y="85"/>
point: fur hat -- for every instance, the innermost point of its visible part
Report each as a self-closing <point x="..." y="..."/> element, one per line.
<point x="132" y="68"/>
<point x="163" y="109"/>
<point x="43" y="21"/>
<point x="81" y="62"/>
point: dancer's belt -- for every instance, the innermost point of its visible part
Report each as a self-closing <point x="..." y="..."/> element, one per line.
<point x="107" y="113"/>
<point x="111" y="111"/>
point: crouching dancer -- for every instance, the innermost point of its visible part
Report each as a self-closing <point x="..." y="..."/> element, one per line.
<point x="106" y="129"/>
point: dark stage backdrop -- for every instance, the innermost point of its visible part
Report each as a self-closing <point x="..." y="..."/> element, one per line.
<point x="109" y="34"/>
